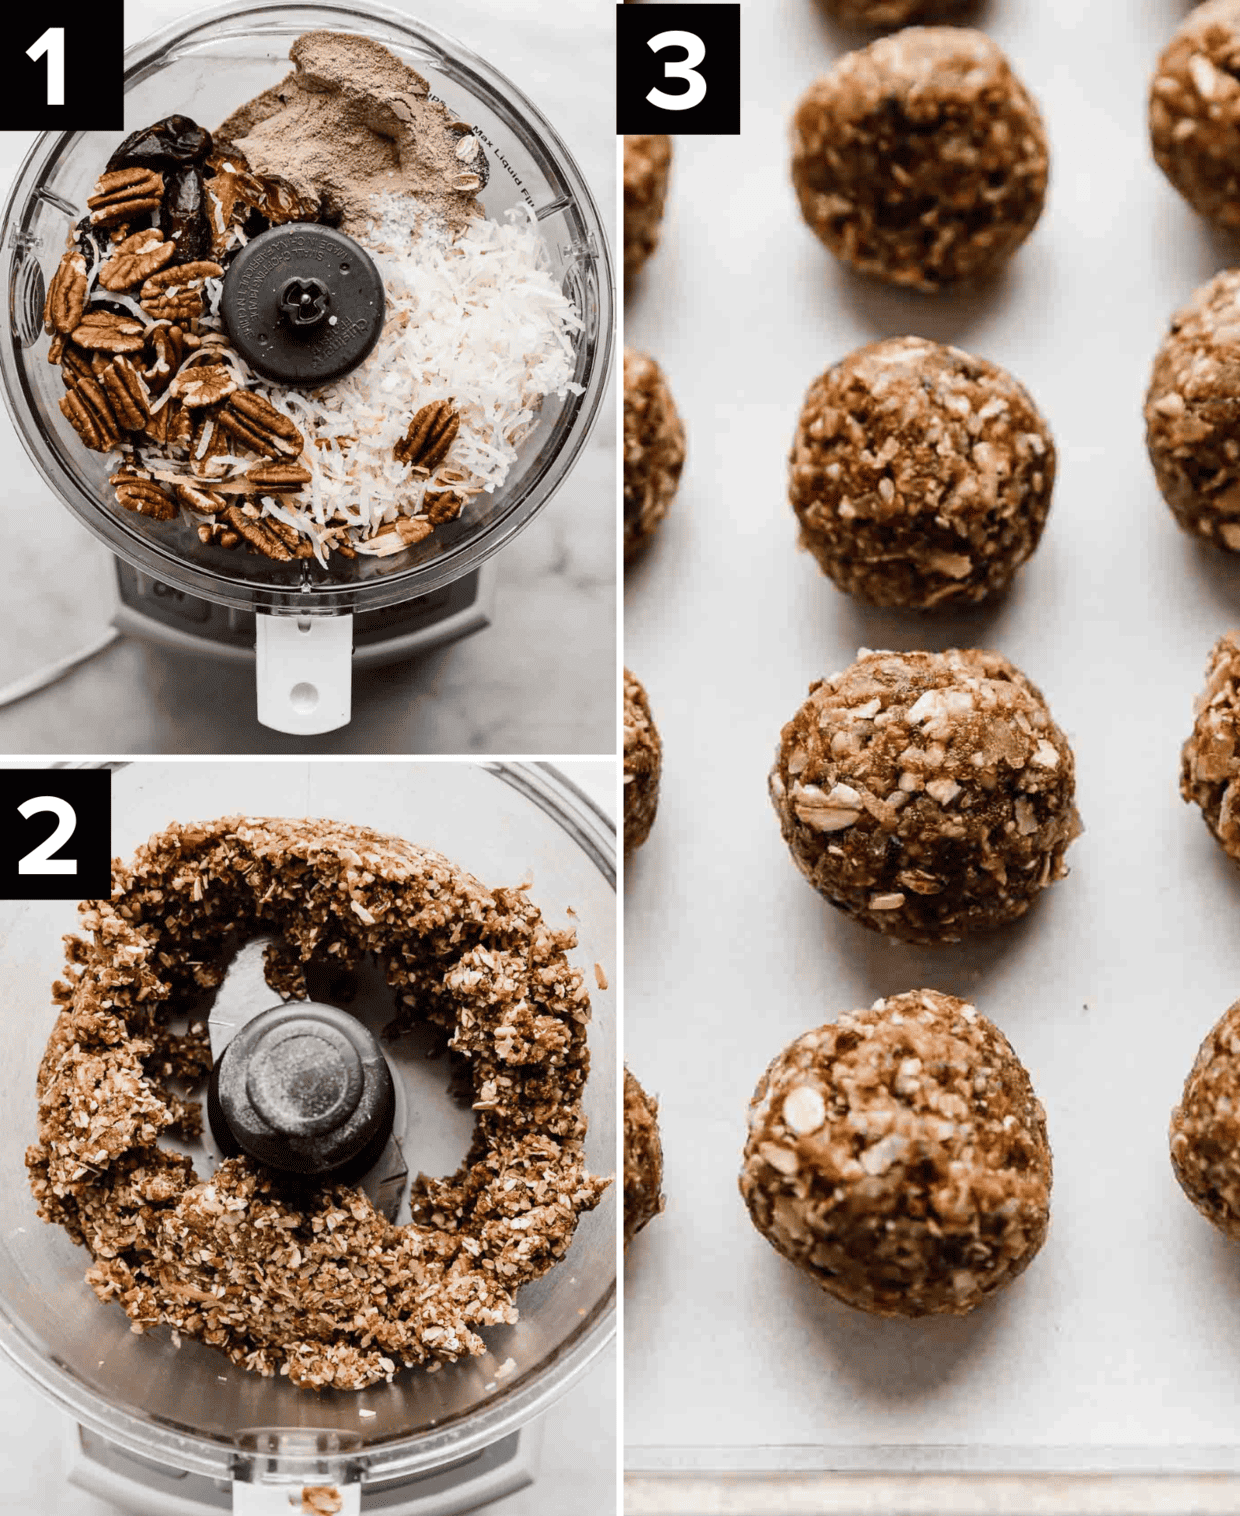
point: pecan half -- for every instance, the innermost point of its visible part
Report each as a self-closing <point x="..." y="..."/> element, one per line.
<point x="137" y="493"/>
<point x="431" y="433"/>
<point x="124" y="193"/>
<point x="203" y="384"/>
<point x="175" y="294"/>
<point x="56" y="348"/>
<point x="135" y="259"/>
<point x="74" y="365"/>
<point x="254" y="421"/>
<point x="66" y="295"/>
<point x="170" y="425"/>
<point x="210" y="438"/>
<point x="127" y="394"/>
<point x="256" y="534"/>
<point x="101" y="331"/>
<point x="198" y="497"/>
<point x="167" y="351"/>
<point x="410" y="531"/>
<point x="276" y="478"/>
<point x="441" y="505"/>
<point x="85" y="407"/>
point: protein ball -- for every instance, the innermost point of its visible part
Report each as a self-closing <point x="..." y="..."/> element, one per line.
<point x="891" y="12"/>
<point x="921" y="159"/>
<point x="926" y="795"/>
<point x="1195" y="112"/>
<point x="643" y="762"/>
<point x="647" y="161"/>
<point x="643" y="1159"/>
<point x="1190" y="410"/>
<point x="1210" y="759"/>
<point x="899" y="1157"/>
<point x="1205" y="1127"/>
<point x="921" y="476"/>
<point x="654" y="450"/>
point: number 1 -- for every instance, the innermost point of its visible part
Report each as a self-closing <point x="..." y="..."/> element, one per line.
<point x="52" y="42"/>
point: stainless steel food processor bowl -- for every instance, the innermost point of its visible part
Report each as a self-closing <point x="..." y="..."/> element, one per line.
<point x="204" y="68"/>
<point x="189" y="1408"/>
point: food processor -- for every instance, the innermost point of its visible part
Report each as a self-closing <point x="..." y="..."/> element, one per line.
<point x="303" y="627"/>
<point x="180" y="1430"/>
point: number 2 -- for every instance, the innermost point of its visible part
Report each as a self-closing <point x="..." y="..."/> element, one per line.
<point x="684" y="68"/>
<point x="52" y="42"/>
<point x="40" y="860"/>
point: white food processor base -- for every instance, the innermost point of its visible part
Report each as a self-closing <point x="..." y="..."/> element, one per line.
<point x="141" y="1487"/>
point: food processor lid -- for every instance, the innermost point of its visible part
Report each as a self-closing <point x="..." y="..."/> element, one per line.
<point x="532" y="169"/>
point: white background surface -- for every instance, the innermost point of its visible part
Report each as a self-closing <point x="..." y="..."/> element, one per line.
<point x="578" y="1471"/>
<point x="539" y="679"/>
<point x="1126" y="1328"/>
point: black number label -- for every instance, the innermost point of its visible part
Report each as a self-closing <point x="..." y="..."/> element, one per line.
<point x="39" y="860"/>
<point x="51" y="45"/>
<point x="685" y="68"/>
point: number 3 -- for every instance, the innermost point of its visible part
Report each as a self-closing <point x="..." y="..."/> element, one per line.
<point x="40" y="860"/>
<point x="685" y="68"/>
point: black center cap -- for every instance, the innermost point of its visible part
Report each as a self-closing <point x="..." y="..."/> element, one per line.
<point x="302" y="303"/>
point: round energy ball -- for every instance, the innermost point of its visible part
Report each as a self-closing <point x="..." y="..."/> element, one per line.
<point x="921" y="476"/>
<point x="643" y="762"/>
<point x="1205" y="1127"/>
<point x="647" y="161"/>
<point x="1210" y="759"/>
<point x="1195" y="112"/>
<point x="891" y="12"/>
<point x="1190" y="413"/>
<point x="654" y="450"/>
<point x="899" y="1157"/>
<point x="926" y="795"/>
<point x="643" y="1159"/>
<point x="921" y="159"/>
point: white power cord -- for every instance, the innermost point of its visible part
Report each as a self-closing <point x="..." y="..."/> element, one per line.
<point x="10" y="694"/>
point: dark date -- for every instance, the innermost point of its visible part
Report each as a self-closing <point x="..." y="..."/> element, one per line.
<point x="174" y="140"/>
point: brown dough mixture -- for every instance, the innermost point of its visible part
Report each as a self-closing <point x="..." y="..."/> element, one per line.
<point x="921" y="476"/>
<point x="643" y="764"/>
<point x="1190" y="410"/>
<point x="647" y="163"/>
<point x="1205" y="1127"/>
<point x="921" y="159"/>
<point x="926" y="795"/>
<point x="643" y="1159"/>
<point x="899" y="1157"/>
<point x="310" y="1281"/>
<point x="352" y="121"/>
<point x="893" y="13"/>
<point x="1194" y="112"/>
<point x="654" y="450"/>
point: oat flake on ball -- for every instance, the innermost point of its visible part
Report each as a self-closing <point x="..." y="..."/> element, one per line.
<point x="643" y="764"/>
<point x="654" y="450"/>
<point x="1205" y="1127"/>
<point x="1194" y="112"/>
<point x="926" y="795"/>
<point x="1191" y="409"/>
<point x="921" y="476"/>
<point x="899" y="1157"/>
<point x="921" y="159"/>
<point x="647" y="163"/>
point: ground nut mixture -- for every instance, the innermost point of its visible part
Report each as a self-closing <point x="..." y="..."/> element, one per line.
<point x="1205" y="1127"/>
<point x="1195" y="111"/>
<point x="654" y="450"/>
<point x="643" y="764"/>
<point x="1190" y="413"/>
<point x="892" y="12"/>
<point x="1210" y="759"/>
<point x="309" y="1280"/>
<point x="926" y="795"/>
<point x="647" y="162"/>
<point x="643" y="1159"/>
<point x="899" y="1156"/>
<point x="921" y="159"/>
<point x="921" y="476"/>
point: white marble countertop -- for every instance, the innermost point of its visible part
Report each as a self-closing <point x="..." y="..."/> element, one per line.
<point x="539" y="679"/>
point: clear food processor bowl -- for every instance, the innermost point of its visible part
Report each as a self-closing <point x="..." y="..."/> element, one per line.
<point x="205" y="68"/>
<point x="189" y="1407"/>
